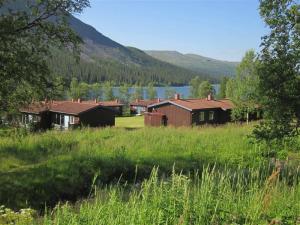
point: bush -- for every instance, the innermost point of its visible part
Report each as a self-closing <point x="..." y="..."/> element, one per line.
<point x="22" y="217"/>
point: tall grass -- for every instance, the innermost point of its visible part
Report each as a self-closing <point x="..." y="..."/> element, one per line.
<point x="212" y="197"/>
<point x="41" y="169"/>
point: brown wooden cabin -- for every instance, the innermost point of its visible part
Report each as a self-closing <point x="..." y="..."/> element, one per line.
<point x="66" y="114"/>
<point x="115" y="105"/>
<point x="187" y="112"/>
<point x="139" y="106"/>
<point x="36" y="113"/>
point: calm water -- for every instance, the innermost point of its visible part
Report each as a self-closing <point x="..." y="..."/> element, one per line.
<point x="184" y="91"/>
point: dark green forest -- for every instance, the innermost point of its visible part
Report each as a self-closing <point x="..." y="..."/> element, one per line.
<point x="103" y="59"/>
<point x="97" y="70"/>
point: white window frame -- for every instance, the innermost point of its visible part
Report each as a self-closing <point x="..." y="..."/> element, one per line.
<point x="211" y="115"/>
<point x="201" y="116"/>
<point x="72" y="120"/>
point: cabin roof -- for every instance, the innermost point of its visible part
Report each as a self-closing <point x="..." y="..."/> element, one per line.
<point x="35" y="108"/>
<point x="144" y="103"/>
<point x="198" y="104"/>
<point x="66" y="107"/>
<point x="114" y="103"/>
<point x="73" y="108"/>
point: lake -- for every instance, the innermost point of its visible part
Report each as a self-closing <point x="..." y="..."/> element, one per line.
<point x="184" y="91"/>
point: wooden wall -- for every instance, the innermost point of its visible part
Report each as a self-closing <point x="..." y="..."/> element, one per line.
<point x="98" y="117"/>
<point x="44" y="120"/>
<point x="220" y="117"/>
<point x="176" y="116"/>
<point x="117" y="109"/>
<point x="155" y="120"/>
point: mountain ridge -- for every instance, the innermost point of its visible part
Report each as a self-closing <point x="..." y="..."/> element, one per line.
<point x="97" y="47"/>
<point x="104" y="59"/>
<point x="195" y="62"/>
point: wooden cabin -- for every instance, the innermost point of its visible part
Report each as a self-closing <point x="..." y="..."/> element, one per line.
<point x="38" y="114"/>
<point x="66" y="114"/>
<point x="115" y="105"/>
<point x="139" y="106"/>
<point x="188" y="112"/>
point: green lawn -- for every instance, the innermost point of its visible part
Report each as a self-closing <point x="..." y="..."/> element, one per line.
<point x="130" y="122"/>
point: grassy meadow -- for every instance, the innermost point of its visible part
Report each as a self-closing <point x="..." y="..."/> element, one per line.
<point x="205" y="175"/>
<point x="130" y="122"/>
<point x="211" y="197"/>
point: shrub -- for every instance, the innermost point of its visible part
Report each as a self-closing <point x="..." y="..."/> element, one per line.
<point x="22" y="217"/>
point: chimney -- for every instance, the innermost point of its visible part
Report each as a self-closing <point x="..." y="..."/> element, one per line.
<point x="72" y="99"/>
<point x="95" y="100"/>
<point x="158" y="100"/>
<point x="210" y="97"/>
<point x="136" y="100"/>
<point x="117" y="100"/>
<point x="177" y="96"/>
<point x="79" y="100"/>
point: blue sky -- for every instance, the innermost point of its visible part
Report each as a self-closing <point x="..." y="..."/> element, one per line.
<point x="221" y="29"/>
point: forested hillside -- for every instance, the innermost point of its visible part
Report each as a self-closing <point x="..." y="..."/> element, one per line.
<point x="98" y="69"/>
<point x="203" y="65"/>
<point x="104" y="59"/>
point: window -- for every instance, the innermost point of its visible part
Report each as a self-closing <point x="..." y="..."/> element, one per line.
<point x="211" y="115"/>
<point x="58" y="119"/>
<point x="62" y="119"/>
<point x="23" y="118"/>
<point x="35" y="119"/>
<point x="26" y="119"/>
<point x="202" y="116"/>
<point x="72" y="120"/>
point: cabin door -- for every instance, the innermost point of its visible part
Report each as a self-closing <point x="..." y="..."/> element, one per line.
<point x="164" y="121"/>
<point x="67" y="119"/>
